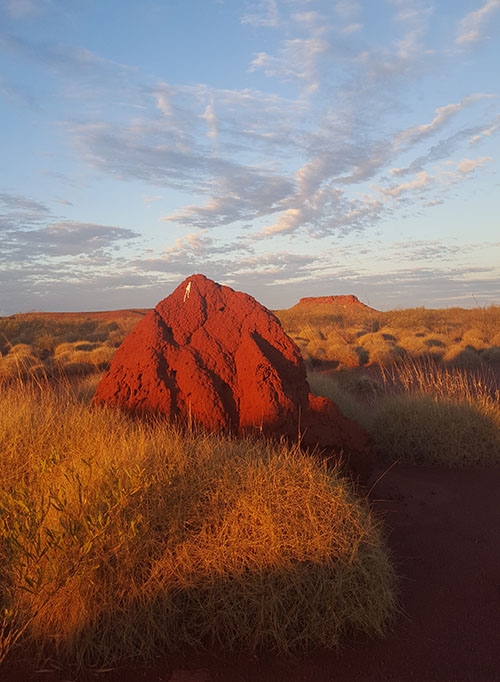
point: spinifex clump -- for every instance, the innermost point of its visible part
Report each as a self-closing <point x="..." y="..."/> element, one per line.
<point x="124" y="538"/>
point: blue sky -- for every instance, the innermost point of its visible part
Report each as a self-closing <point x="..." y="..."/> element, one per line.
<point x="283" y="147"/>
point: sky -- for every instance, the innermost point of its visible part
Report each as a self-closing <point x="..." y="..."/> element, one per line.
<point x="286" y="148"/>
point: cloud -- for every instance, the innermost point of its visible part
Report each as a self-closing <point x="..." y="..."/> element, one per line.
<point x="148" y="200"/>
<point x="447" y="146"/>
<point x="472" y="26"/>
<point x="68" y="238"/>
<point x="347" y="9"/>
<point x="21" y="9"/>
<point x="29" y="230"/>
<point x="243" y="194"/>
<point x="237" y="267"/>
<point x="443" y="116"/>
<point x="466" y="166"/>
<point x="16" y="94"/>
<point x="329" y="210"/>
<point x="422" y="180"/>
<point x="78" y="72"/>
<point x="18" y="212"/>
<point x="262" y="13"/>
<point x="168" y="147"/>
<point x="297" y="58"/>
<point x="16" y="202"/>
<point x="415" y="17"/>
<point x="209" y="116"/>
<point x="338" y="145"/>
<point x="194" y="241"/>
<point x="490" y="129"/>
<point x="352" y="28"/>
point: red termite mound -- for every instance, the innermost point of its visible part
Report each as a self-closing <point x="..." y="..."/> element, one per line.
<point x="219" y="359"/>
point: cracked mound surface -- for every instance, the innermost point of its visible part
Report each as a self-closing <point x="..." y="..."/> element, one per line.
<point x="219" y="359"/>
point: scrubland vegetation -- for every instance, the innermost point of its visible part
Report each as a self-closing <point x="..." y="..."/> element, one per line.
<point x="455" y="338"/>
<point x="420" y="412"/>
<point x="124" y="539"/>
<point x="44" y="346"/>
<point x="425" y="383"/>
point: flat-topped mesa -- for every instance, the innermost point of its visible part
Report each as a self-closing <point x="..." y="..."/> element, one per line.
<point x="342" y="300"/>
<point x="217" y="358"/>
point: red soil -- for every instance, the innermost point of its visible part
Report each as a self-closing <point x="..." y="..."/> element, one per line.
<point x="443" y="531"/>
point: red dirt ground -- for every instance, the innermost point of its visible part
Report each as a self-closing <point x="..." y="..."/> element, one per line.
<point x="444" y="534"/>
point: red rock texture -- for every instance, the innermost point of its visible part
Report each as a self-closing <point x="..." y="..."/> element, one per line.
<point x="344" y="301"/>
<point x="218" y="358"/>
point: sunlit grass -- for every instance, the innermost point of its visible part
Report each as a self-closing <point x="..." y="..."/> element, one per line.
<point x="127" y="539"/>
<point x="466" y="339"/>
<point x="421" y="412"/>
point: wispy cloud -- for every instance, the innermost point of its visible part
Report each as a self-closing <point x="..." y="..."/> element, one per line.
<point x="347" y="9"/>
<point x="448" y="145"/>
<point x="68" y="238"/>
<point x="30" y="230"/>
<point x="16" y="94"/>
<point x="352" y="28"/>
<point x="81" y="74"/>
<point x="243" y="194"/>
<point x="394" y="191"/>
<point x="261" y="13"/>
<point x="209" y="116"/>
<point x="296" y="59"/>
<point x="21" y="9"/>
<point x="472" y="27"/>
<point x="466" y="166"/>
<point x="341" y="137"/>
<point x="18" y="212"/>
<point x="443" y="116"/>
<point x="486" y="131"/>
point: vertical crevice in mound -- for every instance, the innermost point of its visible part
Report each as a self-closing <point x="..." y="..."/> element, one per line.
<point x="218" y="358"/>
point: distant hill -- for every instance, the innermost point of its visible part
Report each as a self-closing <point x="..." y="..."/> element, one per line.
<point x="346" y="302"/>
<point x="89" y="315"/>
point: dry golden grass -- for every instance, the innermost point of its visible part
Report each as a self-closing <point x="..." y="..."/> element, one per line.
<point x="419" y="429"/>
<point x="121" y="538"/>
<point x="459" y="338"/>
<point x="438" y="415"/>
<point x="354" y="395"/>
<point x="421" y="412"/>
<point x="126" y="539"/>
<point x="81" y="357"/>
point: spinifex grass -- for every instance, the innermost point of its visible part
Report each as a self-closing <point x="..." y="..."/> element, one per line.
<point x="126" y="539"/>
<point x="438" y="415"/>
<point x="329" y="335"/>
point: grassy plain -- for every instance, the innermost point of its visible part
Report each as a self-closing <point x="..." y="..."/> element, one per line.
<point x="125" y="539"/>
<point x="354" y="336"/>
<point x="425" y="383"/>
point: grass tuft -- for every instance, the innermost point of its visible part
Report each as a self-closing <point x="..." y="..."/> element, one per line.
<point x="127" y="539"/>
<point x="438" y="415"/>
